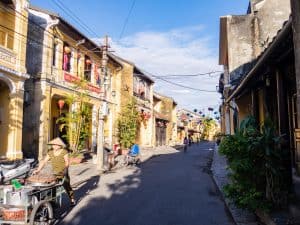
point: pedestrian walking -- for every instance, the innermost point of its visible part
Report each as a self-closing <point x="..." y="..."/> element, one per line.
<point x="185" y="144"/>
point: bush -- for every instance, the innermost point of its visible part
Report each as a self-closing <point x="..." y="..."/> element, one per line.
<point x="255" y="160"/>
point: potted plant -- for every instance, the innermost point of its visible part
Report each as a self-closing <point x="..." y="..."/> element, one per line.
<point x="127" y="126"/>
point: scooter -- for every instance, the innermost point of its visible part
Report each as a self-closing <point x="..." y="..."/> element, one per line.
<point x="10" y="170"/>
<point x="133" y="159"/>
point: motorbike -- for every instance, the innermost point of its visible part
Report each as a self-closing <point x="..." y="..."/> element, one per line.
<point x="10" y="170"/>
<point x="133" y="159"/>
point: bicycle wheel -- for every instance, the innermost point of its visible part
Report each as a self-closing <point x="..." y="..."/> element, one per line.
<point x="42" y="214"/>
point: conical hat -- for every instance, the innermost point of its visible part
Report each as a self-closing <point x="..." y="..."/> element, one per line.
<point x="57" y="141"/>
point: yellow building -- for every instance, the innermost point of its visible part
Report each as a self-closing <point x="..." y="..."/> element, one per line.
<point x="188" y="125"/>
<point x="13" y="38"/>
<point x="63" y="57"/>
<point x="165" y="123"/>
<point x="137" y="84"/>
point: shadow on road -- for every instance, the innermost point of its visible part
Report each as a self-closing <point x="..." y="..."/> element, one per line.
<point x="173" y="189"/>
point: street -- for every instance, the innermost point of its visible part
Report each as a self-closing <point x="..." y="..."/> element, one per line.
<point x="173" y="189"/>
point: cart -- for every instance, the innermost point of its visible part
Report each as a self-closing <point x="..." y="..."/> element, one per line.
<point x="34" y="204"/>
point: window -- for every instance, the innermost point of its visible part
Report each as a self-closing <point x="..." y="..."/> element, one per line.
<point x="54" y="54"/>
<point x="10" y="41"/>
<point x="67" y="55"/>
<point x="87" y="68"/>
<point x="2" y="38"/>
<point x="6" y="40"/>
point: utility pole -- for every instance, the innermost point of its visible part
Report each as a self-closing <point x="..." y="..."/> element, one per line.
<point x="101" y="113"/>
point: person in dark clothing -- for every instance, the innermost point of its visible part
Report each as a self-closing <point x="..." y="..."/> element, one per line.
<point x="185" y="144"/>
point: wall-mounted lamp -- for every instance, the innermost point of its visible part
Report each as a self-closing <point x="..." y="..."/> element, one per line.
<point x="113" y="93"/>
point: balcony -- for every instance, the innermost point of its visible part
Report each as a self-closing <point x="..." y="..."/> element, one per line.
<point x="7" y="57"/>
<point x="142" y="100"/>
<point x="71" y="79"/>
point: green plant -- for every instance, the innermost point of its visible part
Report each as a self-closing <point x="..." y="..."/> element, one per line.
<point x="255" y="159"/>
<point x="77" y="120"/>
<point x="209" y="125"/>
<point x="128" y="124"/>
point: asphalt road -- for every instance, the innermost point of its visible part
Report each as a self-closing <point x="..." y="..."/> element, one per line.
<point x="173" y="189"/>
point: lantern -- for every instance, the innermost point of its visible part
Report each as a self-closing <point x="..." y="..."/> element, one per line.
<point x="88" y="61"/>
<point x="67" y="49"/>
<point x="61" y="104"/>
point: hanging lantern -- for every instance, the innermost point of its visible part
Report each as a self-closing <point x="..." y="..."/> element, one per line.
<point x="67" y="49"/>
<point x="88" y="61"/>
<point x="61" y="104"/>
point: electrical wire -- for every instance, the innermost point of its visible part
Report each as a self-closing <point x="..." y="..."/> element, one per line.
<point x="180" y="85"/>
<point x="191" y="75"/>
<point x="127" y="19"/>
<point x="76" y="17"/>
<point x="157" y="77"/>
<point x="71" y="16"/>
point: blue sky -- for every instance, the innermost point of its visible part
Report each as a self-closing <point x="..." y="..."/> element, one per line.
<point x="161" y="36"/>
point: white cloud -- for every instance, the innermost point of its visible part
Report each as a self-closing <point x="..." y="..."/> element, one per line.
<point x="179" y="51"/>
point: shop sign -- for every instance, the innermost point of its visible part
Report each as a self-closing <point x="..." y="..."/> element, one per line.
<point x="72" y="79"/>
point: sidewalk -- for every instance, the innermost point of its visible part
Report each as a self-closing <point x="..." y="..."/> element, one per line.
<point x="219" y="165"/>
<point x="84" y="171"/>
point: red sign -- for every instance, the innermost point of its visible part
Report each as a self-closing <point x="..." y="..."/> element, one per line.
<point x="94" y="88"/>
<point x="72" y="79"/>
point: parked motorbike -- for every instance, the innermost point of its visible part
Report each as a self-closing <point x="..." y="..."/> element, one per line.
<point x="133" y="160"/>
<point x="10" y="170"/>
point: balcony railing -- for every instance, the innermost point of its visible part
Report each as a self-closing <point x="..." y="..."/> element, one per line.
<point x="73" y="79"/>
<point x="7" y="58"/>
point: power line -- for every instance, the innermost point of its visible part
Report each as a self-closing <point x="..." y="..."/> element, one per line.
<point x="180" y="85"/>
<point x="74" y="14"/>
<point x="191" y="75"/>
<point x="127" y="19"/>
<point x="66" y="11"/>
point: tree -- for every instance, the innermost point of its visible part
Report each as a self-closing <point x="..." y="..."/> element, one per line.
<point x="209" y="126"/>
<point x="128" y="124"/>
<point x="77" y="120"/>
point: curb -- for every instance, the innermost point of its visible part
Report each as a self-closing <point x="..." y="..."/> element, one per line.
<point x="235" y="213"/>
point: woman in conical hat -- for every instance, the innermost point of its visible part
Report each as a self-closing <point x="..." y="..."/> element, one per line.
<point x="59" y="158"/>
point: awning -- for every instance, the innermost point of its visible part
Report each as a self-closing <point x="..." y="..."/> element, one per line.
<point x="160" y="116"/>
<point x="263" y="58"/>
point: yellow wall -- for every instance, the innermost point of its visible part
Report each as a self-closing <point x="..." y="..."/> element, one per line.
<point x="244" y="104"/>
<point x="13" y="33"/>
<point x="4" y="117"/>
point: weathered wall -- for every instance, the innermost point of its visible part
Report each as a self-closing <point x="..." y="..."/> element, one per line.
<point x="240" y="44"/>
<point x="249" y="35"/>
<point x="271" y="16"/>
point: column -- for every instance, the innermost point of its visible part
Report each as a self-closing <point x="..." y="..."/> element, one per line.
<point x="14" y="147"/>
<point x="295" y="6"/>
